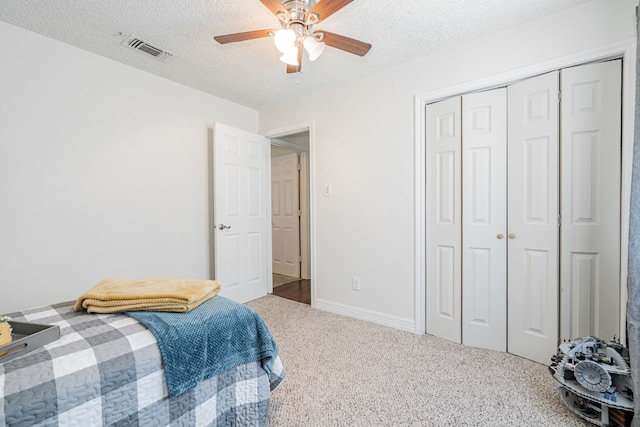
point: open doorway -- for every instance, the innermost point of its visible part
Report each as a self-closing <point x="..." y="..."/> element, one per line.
<point x="290" y="219"/>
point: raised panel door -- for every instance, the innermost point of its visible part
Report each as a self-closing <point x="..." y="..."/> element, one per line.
<point x="285" y="218"/>
<point x="443" y="263"/>
<point x="484" y="219"/>
<point x="590" y="203"/>
<point x="533" y="236"/>
<point x="240" y="220"/>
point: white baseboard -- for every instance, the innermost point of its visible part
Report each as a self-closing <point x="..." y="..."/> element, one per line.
<point x="400" y="323"/>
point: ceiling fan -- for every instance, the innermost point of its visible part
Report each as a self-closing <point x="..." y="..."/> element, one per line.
<point x="297" y="18"/>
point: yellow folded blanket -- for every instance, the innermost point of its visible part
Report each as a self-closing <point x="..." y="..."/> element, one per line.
<point x="116" y="295"/>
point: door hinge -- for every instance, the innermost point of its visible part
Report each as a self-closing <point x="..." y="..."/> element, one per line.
<point x="299" y="166"/>
<point x="299" y="212"/>
<point x="559" y="220"/>
<point x="299" y="258"/>
<point x="559" y="96"/>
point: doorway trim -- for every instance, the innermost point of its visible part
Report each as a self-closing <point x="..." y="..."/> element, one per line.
<point x="625" y="50"/>
<point x="311" y="226"/>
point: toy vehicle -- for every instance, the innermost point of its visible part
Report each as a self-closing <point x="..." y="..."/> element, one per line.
<point x="593" y="379"/>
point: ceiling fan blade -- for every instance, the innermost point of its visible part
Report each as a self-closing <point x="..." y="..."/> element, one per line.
<point x="345" y="43"/>
<point x="247" y="35"/>
<point x="296" y="68"/>
<point x="326" y="8"/>
<point x="274" y="6"/>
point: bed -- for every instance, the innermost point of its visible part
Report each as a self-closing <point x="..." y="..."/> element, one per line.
<point x="108" y="369"/>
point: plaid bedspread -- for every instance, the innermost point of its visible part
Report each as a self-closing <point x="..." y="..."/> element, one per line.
<point x="107" y="370"/>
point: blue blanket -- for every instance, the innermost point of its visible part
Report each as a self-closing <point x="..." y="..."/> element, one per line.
<point x="216" y="336"/>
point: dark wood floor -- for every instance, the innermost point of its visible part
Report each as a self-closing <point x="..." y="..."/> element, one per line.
<point x="299" y="291"/>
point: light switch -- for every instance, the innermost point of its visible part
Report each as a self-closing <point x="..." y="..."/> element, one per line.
<point x="327" y="189"/>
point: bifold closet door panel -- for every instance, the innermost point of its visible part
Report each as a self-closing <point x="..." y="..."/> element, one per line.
<point x="590" y="203"/>
<point x="533" y="235"/>
<point x="443" y="211"/>
<point x="484" y="219"/>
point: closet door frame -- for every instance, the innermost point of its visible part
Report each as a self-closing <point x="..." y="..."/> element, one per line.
<point x="624" y="50"/>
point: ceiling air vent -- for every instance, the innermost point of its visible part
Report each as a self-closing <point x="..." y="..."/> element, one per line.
<point x="136" y="43"/>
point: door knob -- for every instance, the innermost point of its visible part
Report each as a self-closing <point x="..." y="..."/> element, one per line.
<point x="500" y="236"/>
<point x="512" y="236"/>
<point x="222" y="226"/>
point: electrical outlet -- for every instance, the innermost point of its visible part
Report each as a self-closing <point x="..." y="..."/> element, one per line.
<point x="355" y="283"/>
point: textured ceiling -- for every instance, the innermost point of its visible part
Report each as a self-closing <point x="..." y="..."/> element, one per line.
<point x="250" y="72"/>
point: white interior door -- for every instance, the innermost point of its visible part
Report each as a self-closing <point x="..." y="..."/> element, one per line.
<point x="590" y="203"/>
<point x="533" y="218"/>
<point x="240" y="213"/>
<point x="484" y="219"/>
<point x="285" y="215"/>
<point x="443" y="214"/>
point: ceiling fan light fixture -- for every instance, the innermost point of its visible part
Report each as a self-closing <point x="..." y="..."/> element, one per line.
<point x="297" y="18"/>
<point x="285" y="40"/>
<point x="291" y="56"/>
<point x="313" y="47"/>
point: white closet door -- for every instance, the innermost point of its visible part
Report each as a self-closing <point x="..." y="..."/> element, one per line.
<point x="590" y="203"/>
<point x="533" y="218"/>
<point x="484" y="219"/>
<point x="443" y="212"/>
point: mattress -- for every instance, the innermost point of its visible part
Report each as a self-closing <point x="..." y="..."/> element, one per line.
<point x="106" y="369"/>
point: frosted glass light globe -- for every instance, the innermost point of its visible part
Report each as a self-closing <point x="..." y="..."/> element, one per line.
<point x="284" y="40"/>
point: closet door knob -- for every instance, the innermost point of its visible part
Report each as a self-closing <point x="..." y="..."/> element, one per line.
<point x="512" y="236"/>
<point x="500" y="236"/>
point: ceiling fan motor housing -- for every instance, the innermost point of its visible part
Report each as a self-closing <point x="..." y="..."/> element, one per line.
<point x="297" y="16"/>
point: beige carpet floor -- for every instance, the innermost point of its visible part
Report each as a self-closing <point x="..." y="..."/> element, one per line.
<point x="347" y="372"/>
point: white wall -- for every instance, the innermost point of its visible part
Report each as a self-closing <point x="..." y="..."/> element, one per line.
<point x="364" y="147"/>
<point x="103" y="171"/>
